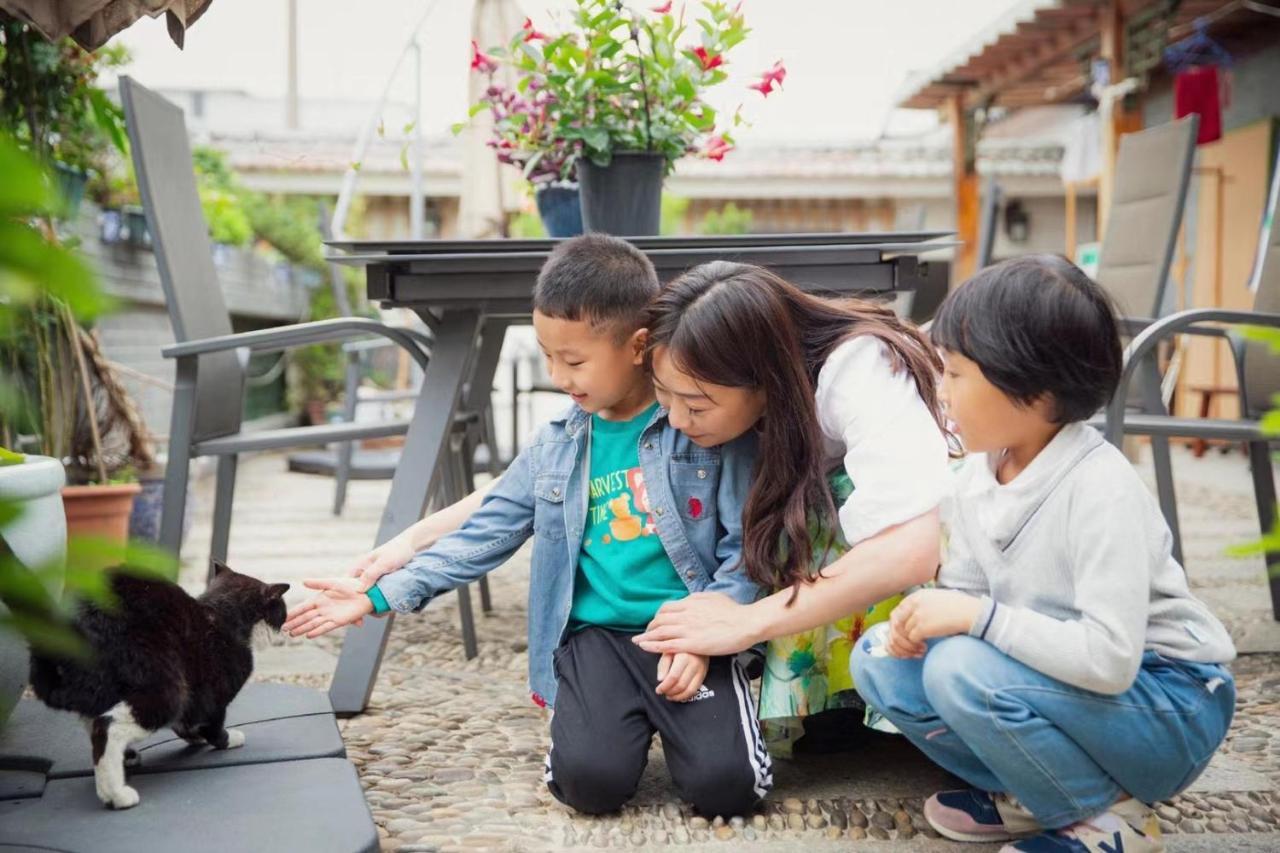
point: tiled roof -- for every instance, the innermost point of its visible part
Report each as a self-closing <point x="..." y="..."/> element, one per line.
<point x="1022" y="145"/>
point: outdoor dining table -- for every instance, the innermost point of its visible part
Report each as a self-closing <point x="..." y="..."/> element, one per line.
<point x="470" y="291"/>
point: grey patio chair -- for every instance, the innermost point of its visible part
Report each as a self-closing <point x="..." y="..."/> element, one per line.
<point x="1153" y="170"/>
<point x="348" y="462"/>
<point x="1257" y="372"/>
<point x="211" y="360"/>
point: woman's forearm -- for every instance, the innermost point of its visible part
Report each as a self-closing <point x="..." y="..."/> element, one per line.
<point x="871" y="571"/>
<point x="424" y="533"/>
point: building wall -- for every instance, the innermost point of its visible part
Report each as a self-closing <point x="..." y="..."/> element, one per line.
<point x="1047" y="215"/>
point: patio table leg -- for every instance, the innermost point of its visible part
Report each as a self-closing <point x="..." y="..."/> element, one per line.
<point x="427" y="439"/>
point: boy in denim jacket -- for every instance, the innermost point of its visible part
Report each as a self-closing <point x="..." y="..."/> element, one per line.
<point x="626" y="514"/>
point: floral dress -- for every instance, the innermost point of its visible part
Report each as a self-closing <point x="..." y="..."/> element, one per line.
<point x="809" y="672"/>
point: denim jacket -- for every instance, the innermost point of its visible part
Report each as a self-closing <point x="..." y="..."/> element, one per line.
<point x="696" y="494"/>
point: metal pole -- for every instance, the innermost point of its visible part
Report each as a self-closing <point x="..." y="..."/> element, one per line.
<point x="291" y="101"/>
<point x="416" y="225"/>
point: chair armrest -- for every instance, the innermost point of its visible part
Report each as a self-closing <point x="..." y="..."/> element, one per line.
<point x="1142" y="346"/>
<point x="301" y="334"/>
<point x="425" y="341"/>
<point x="1134" y="326"/>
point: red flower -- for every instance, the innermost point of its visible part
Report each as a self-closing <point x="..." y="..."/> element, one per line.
<point x="716" y="148"/>
<point x="538" y="700"/>
<point x="482" y="62"/>
<point x="708" y="61"/>
<point x="764" y="87"/>
<point x="663" y="9"/>
<point x="695" y="508"/>
<point x="530" y="34"/>
<point x="776" y="74"/>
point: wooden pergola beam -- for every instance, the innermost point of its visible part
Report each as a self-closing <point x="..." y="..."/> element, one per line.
<point x="1046" y="53"/>
<point x="965" y="184"/>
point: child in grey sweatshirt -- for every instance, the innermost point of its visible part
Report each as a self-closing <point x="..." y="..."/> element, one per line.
<point x="1062" y="667"/>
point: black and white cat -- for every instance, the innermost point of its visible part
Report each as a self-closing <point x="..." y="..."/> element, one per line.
<point x="161" y="658"/>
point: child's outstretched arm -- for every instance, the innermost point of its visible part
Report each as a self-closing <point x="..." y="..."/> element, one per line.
<point x="417" y="537"/>
<point x="342" y="601"/>
<point x="503" y="521"/>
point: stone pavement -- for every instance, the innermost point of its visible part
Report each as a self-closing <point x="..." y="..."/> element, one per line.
<point x="450" y="751"/>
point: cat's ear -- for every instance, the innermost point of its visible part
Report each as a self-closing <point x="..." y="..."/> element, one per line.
<point x="277" y="590"/>
<point x="219" y="568"/>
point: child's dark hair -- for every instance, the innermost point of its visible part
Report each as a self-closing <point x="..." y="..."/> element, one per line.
<point x="1037" y="325"/>
<point x="739" y="326"/>
<point x="601" y="279"/>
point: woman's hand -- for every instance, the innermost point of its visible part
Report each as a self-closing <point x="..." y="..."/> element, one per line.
<point x="384" y="559"/>
<point x="341" y="601"/>
<point x="705" y="623"/>
<point x="929" y="613"/>
<point x="680" y="675"/>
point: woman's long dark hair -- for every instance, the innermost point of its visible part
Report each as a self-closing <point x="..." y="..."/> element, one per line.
<point x="743" y="326"/>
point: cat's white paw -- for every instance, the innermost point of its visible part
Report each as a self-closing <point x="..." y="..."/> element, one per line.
<point x="125" y="798"/>
<point x="235" y="738"/>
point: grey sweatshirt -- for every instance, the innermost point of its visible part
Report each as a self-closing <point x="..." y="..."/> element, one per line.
<point x="1074" y="564"/>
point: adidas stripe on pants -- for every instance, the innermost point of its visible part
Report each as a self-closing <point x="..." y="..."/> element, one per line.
<point x="606" y="713"/>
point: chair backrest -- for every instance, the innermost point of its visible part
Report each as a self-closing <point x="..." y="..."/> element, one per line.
<point x="992" y="196"/>
<point x="1152" y="171"/>
<point x="180" y="237"/>
<point x="1260" y="368"/>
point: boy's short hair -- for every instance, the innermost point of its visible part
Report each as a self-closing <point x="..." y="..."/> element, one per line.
<point x="1037" y="325"/>
<point x="602" y="279"/>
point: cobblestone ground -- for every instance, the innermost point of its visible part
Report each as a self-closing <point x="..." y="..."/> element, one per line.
<point x="450" y="751"/>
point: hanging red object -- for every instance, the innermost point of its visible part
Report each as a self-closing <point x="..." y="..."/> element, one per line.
<point x="1198" y="90"/>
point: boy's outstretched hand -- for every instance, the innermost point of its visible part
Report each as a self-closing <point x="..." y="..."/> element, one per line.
<point x="342" y="601"/>
<point x="681" y="674"/>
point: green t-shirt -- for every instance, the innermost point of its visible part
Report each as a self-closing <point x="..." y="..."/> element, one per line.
<point x="624" y="574"/>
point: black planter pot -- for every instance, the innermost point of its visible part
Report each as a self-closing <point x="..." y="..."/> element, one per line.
<point x="560" y="209"/>
<point x="625" y="197"/>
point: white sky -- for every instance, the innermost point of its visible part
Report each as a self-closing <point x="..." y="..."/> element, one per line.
<point x="846" y="59"/>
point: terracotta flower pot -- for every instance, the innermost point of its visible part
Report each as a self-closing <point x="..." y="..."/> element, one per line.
<point x="100" y="510"/>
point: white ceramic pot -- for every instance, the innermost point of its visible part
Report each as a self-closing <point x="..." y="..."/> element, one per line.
<point x="37" y="537"/>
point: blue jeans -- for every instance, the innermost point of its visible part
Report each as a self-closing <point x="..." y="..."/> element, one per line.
<point x="1065" y="753"/>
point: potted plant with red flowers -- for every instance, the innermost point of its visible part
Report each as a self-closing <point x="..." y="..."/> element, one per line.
<point x="616" y="100"/>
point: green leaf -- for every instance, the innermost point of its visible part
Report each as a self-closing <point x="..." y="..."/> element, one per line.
<point x="25" y="254"/>
<point x="50" y="638"/>
<point x="382" y="128"/>
<point x="1270" y="423"/>
<point x="26" y="190"/>
<point x="457" y="127"/>
<point x="596" y="138"/>
<point x="404" y="157"/>
<point x="1264" y="334"/>
<point x="408" y="128"/>
<point x="533" y="163"/>
<point x="9" y="457"/>
<point x="110" y="119"/>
